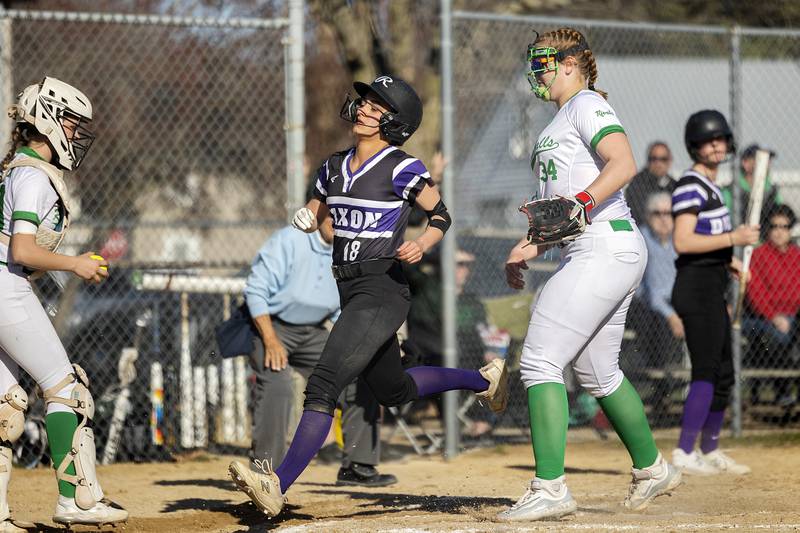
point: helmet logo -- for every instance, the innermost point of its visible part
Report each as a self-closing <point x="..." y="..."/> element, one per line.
<point x="384" y="80"/>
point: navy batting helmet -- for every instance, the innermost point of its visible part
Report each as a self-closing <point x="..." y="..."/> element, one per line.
<point x="405" y="107"/>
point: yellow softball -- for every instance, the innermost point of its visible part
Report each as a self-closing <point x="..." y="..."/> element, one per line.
<point x="99" y="258"/>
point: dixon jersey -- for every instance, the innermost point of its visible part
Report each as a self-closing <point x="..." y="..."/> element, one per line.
<point x="370" y="206"/>
<point x="698" y="195"/>
<point x="564" y="158"/>
<point x="27" y="196"/>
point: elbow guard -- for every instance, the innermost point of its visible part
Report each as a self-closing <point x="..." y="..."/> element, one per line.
<point x="442" y="223"/>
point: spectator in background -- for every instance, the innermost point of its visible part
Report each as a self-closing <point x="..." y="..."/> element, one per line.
<point x="774" y="291"/>
<point x="772" y="197"/>
<point x="653" y="178"/>
<point x="665" y="329"/>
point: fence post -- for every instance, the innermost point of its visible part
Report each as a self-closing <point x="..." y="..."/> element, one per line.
<point x="295" y="109"/>
<point x="187" y="405"/>
<point x="6" y="75"/>
<point x="449" y="245"/>
<point x="736" y="124"/>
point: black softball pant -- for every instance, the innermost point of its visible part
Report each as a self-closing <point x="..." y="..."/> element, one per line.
<point x="363" y="342"/>
<point x="698" y="297"/>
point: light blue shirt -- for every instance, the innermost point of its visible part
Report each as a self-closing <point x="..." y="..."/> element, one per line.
<point x="659" y="275"/>
<point x="291" y="279"/>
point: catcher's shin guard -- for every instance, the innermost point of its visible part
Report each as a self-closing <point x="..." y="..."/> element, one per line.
<point x="12" y="419"/>
<point x="82" y="454"/>
<point x="12" y="413"/>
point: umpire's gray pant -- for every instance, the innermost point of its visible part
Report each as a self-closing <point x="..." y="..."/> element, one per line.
<point x="274" y="399"/>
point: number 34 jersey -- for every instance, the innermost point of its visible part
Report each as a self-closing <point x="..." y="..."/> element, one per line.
<point x="564" y="159"/>
<point x="371" y="205"/>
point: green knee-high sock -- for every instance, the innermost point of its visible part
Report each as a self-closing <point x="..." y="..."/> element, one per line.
<point x="549" y="412"/>
<point x="625" y="411"/>
<point x="61" y="427"/>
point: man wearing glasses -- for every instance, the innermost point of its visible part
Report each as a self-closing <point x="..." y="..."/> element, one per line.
<point x="653" y="178"/>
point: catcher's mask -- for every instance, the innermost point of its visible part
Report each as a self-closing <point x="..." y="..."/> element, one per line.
<point x="405" y="107"/>
<point x="544" y="59"/>
<point x="62" y="114"/>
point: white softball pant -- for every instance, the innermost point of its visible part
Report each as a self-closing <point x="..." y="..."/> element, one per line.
<point x="579" y="317"/>
<point x="28" y="340"/>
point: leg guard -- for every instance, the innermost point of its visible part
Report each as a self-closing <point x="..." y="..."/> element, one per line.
<point x="83" y="455"/>
<point x="12" y="420"/>
<point x="12" y="413"/>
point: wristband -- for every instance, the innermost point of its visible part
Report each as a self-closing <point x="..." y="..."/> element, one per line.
<point x="586" y="200"/>
<point x="730" y="236"/>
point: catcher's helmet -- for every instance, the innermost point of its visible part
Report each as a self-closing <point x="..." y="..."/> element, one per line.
<point x="405" y="107"/>
<point x="46" y="106"/>
<point x="704" y="126"/>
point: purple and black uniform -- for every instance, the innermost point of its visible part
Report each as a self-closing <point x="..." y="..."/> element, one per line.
<point x="370" y="207"/>
<point x="698" y="297"/>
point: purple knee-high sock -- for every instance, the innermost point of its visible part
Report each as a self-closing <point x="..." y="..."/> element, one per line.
<point x="711" y="430"/>
<point x="435" y="379"/>
<point x="695" y="412"/>
<point x="308" y="439"/>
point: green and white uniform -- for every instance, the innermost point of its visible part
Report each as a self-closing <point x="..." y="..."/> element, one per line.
<point x="27" y="337"/>
<point x="564" y="159"/>
<point x="579" y="317"/>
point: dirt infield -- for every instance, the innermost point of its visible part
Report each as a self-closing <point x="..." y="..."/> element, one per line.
<point x="436" y="495"/>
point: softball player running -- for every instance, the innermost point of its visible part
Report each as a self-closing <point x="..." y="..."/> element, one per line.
<point x="579" y="318"/>
<point x="369" y="191"/>
<point x="50" y="136"/>
<point x="704" y="242"/>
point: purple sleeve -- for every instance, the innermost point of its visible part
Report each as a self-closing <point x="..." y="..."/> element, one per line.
<point x="688" y="197"/>
<point x="409" y="177"/>
<point x="321" y="183"/>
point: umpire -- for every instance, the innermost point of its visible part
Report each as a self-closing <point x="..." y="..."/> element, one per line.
<point x="291" y="294"/>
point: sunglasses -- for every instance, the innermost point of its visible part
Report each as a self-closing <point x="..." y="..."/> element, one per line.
<point x="780" y="226"/>
<point x="543" y="59"/>
<point x="661" y="213"/>
<point x="659" y="159"/>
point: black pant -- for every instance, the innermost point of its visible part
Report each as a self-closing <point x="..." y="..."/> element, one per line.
<point x="274" y="399"/>
<point x="363" y="343"/>
<point x="699" y="299"/>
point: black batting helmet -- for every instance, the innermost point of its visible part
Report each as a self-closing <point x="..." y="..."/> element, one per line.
<point x="405" y="107"/>
<point x="704" y="126"/>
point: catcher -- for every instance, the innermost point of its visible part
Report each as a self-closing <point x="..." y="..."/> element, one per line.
<point x="582" y="160"/>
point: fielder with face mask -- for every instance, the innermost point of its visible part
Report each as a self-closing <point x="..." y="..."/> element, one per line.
<point x="50" y="137"/>
<point x="579" y="318"/>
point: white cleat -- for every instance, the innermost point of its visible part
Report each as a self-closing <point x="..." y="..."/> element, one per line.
<point x="263" y="488"/>
<point x="693" y="463"/>
<point x="496" y="396"/>
<point x="542" y="499"/>
<point x="661" y="478"/>
<point x="103" y="513"/>
<point x="724" y="463"/>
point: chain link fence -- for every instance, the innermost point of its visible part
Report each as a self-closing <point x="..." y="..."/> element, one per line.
<point x="656" y="76"/>
<point x="185" y="180"/>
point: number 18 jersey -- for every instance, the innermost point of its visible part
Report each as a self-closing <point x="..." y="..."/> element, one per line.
<point x="564" y="160"/>
<point x="370" y="206"/>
